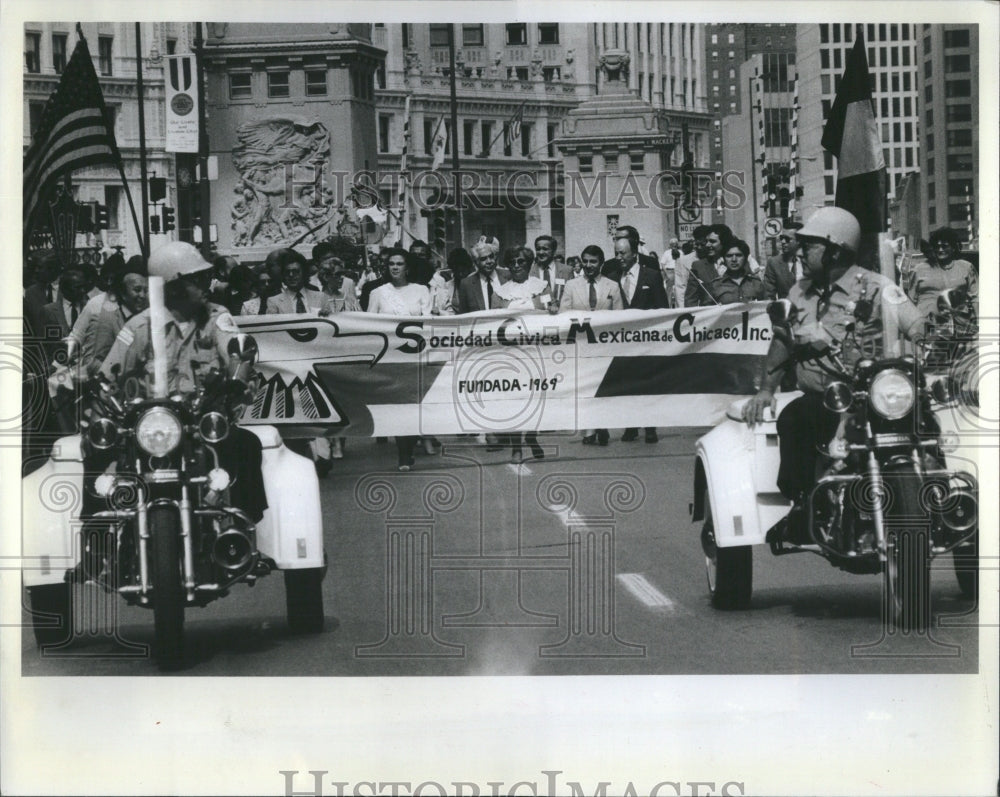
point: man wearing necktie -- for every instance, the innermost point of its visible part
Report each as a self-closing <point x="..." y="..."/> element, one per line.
<point x="476" y="291"/>
<point x="785" y="269"/>
<point x="641" y="289"/>
<point x="546" y="267"/>
<point x="296" y="297"/>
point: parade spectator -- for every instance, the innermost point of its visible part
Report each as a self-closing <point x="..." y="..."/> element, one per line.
<point x="218" y="289"/>
<point x="80" y="341"/>
<point x="129" y="292"/>
<point x="737" y="283"/>
<point x="59" y="316"/>
<point x="374" y="280"/>
<point x="238" y="289"/>
<point x="592" y="292"/>
<point x="943" y="271"/>
<point x="784" y="269"/>
<point x="668" y="268"/>
<point x="641" y="289"/>
<point x="476" y="291"/>
<point x="399" y="296"/>
<point x="44" y="291"/>
<point x="459" y="267"/>
<point x="574" y="265"/>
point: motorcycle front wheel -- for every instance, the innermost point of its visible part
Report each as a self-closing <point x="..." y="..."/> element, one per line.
<point x="51" y="613"/>
<point x="168" y="587"/>
<point x="907" y="568"/>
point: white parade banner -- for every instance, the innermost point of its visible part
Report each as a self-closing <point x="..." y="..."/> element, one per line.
<point x="495" y="371"/>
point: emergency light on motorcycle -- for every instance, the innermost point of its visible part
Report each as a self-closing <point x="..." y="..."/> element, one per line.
<point x="218" y="479"/>
<point x="892" y="394"/>
<point x="838" y="397"/>
<point x="158" y="432"/>
<point x="102" y="433"/>
<point x="213" y="427"/>
<point x="104" y="484"/>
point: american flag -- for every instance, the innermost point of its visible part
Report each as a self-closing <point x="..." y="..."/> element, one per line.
<point x="512" y="128"/>
<point x="73" y="133"/>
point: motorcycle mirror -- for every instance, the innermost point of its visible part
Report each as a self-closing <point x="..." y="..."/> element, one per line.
<point x="838" y="397"/>
<point x="780" y="312"/>
<point x="243" y="347"/>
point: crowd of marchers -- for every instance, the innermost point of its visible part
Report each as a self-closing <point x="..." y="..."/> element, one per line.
<point x="75" y="314"/>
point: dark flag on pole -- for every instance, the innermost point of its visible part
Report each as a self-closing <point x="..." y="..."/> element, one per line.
<point x="852" y="136"/>
<point x="73" y="133"/>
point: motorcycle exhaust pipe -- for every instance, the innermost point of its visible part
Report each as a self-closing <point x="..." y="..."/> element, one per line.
<point x="960" y="511"/>
<point x="232" y="550"/>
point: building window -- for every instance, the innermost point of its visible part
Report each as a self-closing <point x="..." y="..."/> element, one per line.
<point x="730" y="39"/>
<point x="406" y="35"/>
<point x="104" y="54"/>
<point x="517" y="73"/>
<point x="907" y="106"/>
<point x="550" y="74"/>
<point x="957" y="63"/>
<point x="777" y="127"/>
<point x="960" y="212"/>
<point x="958" y="113"/>
<point x="836" y="34"/>
<point x="552" y="131"/>
<point x="715" y="38"/>
<point x="906" y="56"/>
<point x="929" y="116"/>
<point x="384" y="128"/>
<point x="516" y="33"/>
<point x="732" y="54"/>
<point x="315" y="82"/>
<point x="884" y="103"/>
<point x="486" y="130"/>
<point x="472" y="36"/>
<point x="824" y="59"/>
<point x="836" y="59"/>
<point x="929" y="93"/>
<point x="635" y="162"/>
<point x="429" y="125"/>
<point x="32" y="52"/>
<point x="586" y="164"/>
<point x="58" y="52"/>
<point x="929" y="142"/>
<point x="957" y="188"/>
<point x="112" y="201"/>
<point x="35" y="110"/>
<point x="239" y="85"/>
<point x="507" y="149"/>
<point x="956" y="38"/>
<point x="828" y="186"/>
<point x="958" y="88"/>
<point x="732" y="107"/>
<point x="548" y="33"/>
<point x="930" y="166"/>
<point x="931" y="216"/>
<point x="468" y="134"/>
<point x="171" y="46"/>
<point x="909" y="157"/>
<point x="960" y="163"/>
<point x="439" y="35"/>
<point x="380" y="75"/>
<point x="960" y="138"/>
<point x="277" y="85"/>
<point x="526" y="139"/>
<point x="906" y="81"/>
<point x="930" y="189"/>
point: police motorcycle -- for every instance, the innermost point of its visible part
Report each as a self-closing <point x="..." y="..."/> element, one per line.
<point x="885" y="499"/>
<point x="168" y="537"/>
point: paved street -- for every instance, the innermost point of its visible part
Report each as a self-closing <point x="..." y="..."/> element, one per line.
<point x="585" y="562"/>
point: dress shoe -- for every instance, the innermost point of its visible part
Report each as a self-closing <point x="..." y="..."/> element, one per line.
<point x="651" y="436"/>
<point x="630" y="435"/>
<point x="589" y="439"/>
<point x="405" y="465"/>
<point x="428" y="445"/>
<point x="602" y="437"/>
<point x="537" y="451"/>
<point x="515" y="456"/>
<point x="323" y="466"/>
<point x="791" y="528"/>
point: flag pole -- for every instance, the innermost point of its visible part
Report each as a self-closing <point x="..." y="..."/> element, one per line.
<point x="454" y="138"/>
<point x="144" y="177"/>
<point x="118" y="160"/>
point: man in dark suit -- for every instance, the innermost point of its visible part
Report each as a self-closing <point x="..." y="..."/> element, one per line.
<point x="476" y="291"/>
<point x="784" y="269"/>
<point x="641" y="289"/>
<point x="612" y="268"/>
<point x="44" y="291"/>
<point x="546" y="267"/>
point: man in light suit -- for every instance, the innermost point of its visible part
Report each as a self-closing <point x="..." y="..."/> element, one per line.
<point x="546" y="267"/>
<point x="296" y="297"/>
<point x="476" y="291"/>
<point x="641" y="289"/>
<point x="578" y="295"/>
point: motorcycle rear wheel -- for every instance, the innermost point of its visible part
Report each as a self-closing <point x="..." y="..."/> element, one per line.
<point x="729" y="570"/>
<point x="907" y="570"/>
<point x="48" y="600"/>
<point x="168" y="587"/>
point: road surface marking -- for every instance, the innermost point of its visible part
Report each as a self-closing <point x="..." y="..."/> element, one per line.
<point x="645" y="592"/>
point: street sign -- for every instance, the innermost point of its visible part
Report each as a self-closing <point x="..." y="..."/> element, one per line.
<point x="689" y="214"/>
<point x="685" y="230"/>
<point x="181" y="104"/>
<point x="773" y="227"/>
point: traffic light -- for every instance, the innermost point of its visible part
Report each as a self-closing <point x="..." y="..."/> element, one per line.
<point x="85" y="217"/>
<point x="157" y="189"/>
<point x="101" y="220"/>
<point x="168" y="219"/>
<point x="440" y="229"/>
<point x="154" y="223"/>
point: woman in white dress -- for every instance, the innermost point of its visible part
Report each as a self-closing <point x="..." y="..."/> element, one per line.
<point x="399" y="296"/>
<point x="525" y="294"/>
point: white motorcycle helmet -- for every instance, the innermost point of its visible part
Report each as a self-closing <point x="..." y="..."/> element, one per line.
<point x="835" y="226"/>
<point x="176" y="259"/>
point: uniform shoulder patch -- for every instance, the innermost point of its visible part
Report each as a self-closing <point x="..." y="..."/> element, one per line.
<point x="126" y="336"/>
<point x="893" y="294"/>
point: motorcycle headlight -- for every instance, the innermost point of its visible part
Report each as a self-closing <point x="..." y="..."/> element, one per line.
<point x="213" y="426"/>
<point x="158" y="431"/>
<point x="892" y="394"/>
